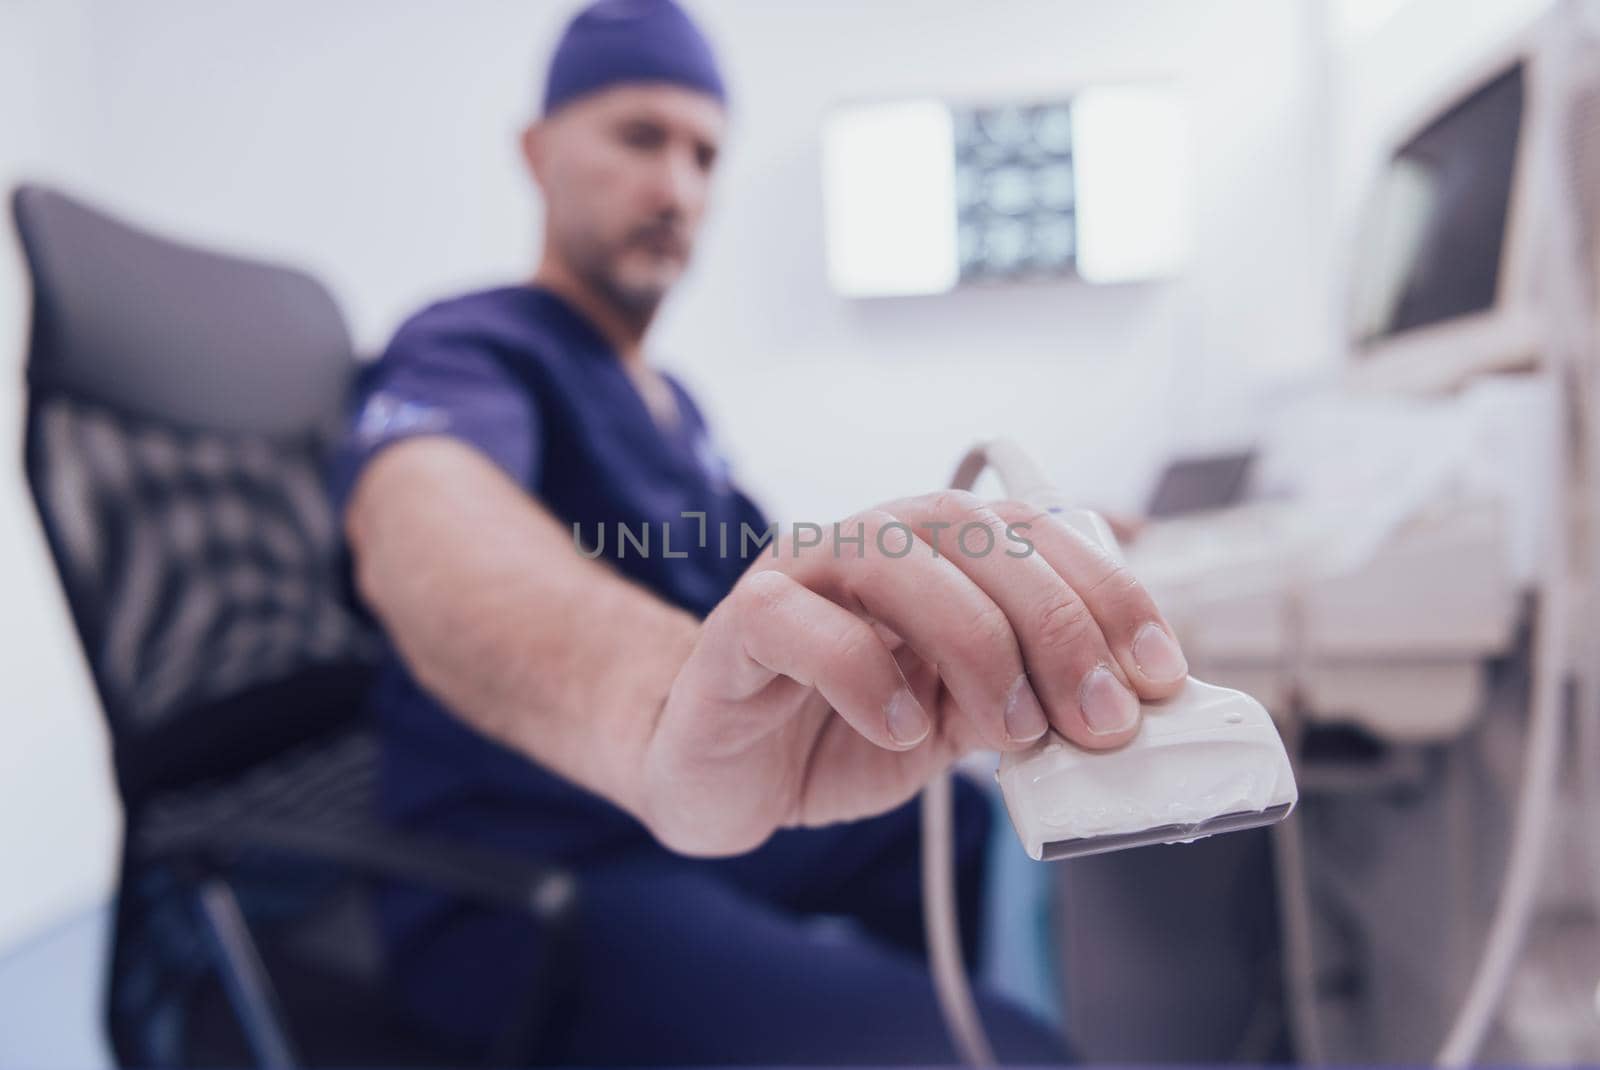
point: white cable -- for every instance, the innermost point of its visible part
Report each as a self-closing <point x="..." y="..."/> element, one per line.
<point x="1588" y="743"/>
<point x="1299" y="961"/>
<point x="1582" y="328"/>
<point x="1020" y="477"/>
<point x="943" y="928"/>
<point x="1535" y="806"/>
<point x="1587" y="729"/>
<point x="939" y="914"/>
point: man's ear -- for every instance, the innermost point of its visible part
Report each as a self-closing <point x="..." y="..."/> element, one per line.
<point x="535" y="139"/>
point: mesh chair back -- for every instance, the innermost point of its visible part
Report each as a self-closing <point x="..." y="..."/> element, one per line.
<point x="178" y="408"/>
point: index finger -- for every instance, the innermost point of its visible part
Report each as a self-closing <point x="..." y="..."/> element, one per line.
<point x="1137" y="633"/>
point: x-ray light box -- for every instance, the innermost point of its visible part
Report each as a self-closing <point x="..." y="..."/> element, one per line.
<point x="921" y="196"/>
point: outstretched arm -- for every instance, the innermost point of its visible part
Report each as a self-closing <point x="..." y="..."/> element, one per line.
<point x="481" y="589"/>
<point x="831" y="683"/>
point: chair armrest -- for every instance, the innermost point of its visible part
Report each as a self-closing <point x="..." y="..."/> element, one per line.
<point x="548" y="893"/>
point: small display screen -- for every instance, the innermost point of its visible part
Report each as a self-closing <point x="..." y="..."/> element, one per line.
<point x="1196" y="484"/>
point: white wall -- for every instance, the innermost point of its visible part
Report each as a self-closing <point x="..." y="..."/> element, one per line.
<point x="58" y="824"/>
<point x="1384" y="71"/>
<point x="871" y="400"/>
<point x="373" y="141"/>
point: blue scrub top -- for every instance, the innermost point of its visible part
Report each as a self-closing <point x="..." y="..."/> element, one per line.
<point x="521" y="376"/>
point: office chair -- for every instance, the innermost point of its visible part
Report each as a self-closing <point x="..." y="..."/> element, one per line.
<point x="178" y="407"/>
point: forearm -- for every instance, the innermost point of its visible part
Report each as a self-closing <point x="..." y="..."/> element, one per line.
<point x="497" y="615"/>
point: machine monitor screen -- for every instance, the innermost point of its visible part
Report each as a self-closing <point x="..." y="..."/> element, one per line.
<point x="1430" y="248"/>
<point x="1196" y="484"/>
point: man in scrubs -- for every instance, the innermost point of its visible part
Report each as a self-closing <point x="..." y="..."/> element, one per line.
<point x="720" y="737"/>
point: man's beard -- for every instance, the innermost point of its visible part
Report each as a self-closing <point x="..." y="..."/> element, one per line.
<point x="636" y="304"/>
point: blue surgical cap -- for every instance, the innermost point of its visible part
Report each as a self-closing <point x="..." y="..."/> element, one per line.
<point x="611" y="42"/>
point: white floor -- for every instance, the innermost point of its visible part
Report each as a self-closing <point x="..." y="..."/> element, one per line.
<point x="50" y="998"/>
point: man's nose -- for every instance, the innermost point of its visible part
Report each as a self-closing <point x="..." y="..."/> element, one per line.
<point x="679" y="182"/>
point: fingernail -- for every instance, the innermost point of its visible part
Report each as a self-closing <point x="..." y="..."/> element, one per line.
<point x="1025" y="719"/>
<point x="1157" y="654"/>
<point x="908" y="724"/>
<point x="1108" y="707"/>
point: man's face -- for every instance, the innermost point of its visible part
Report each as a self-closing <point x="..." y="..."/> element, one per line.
<point x="626" y="174"/>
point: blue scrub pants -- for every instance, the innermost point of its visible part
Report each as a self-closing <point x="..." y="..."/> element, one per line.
<point x="808" y="950"/>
